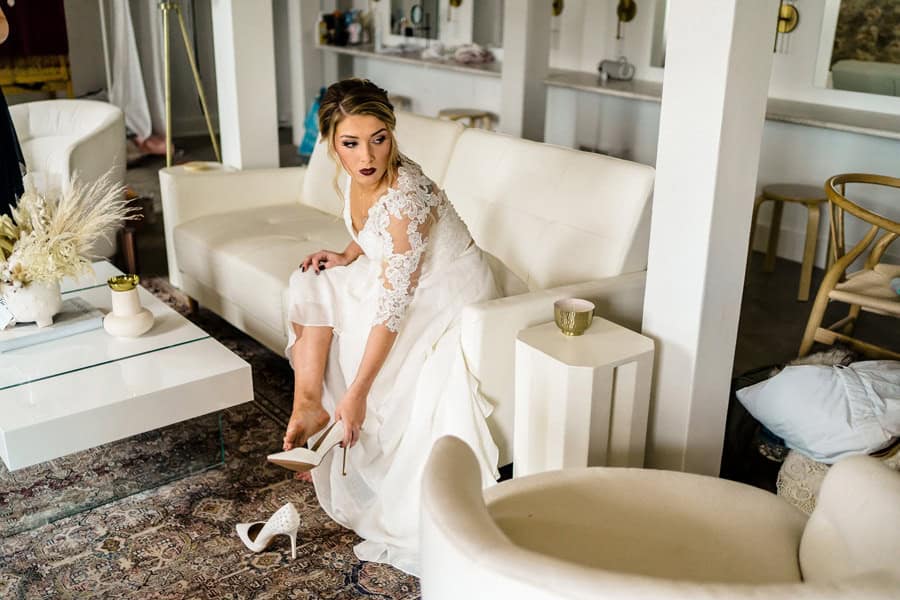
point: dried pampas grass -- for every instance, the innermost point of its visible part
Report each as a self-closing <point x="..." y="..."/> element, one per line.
<point x="51" y="234"/>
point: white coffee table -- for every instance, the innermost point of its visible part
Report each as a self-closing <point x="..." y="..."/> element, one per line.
<point x="86" y="390"/>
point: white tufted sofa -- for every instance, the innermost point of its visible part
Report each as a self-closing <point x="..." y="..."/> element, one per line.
<point x="60" y="138"/>
<point x="556" y="223"/>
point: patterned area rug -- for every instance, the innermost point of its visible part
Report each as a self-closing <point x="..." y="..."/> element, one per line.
<point x="178" y="540"/>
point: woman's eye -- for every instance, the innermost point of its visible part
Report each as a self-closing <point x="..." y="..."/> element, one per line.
<point x="379" y="140"/>
<point x="349" y="144"/>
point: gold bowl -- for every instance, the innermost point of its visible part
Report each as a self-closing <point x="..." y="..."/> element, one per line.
<point x="573" y="315"/>
<point x="123" y="283"/>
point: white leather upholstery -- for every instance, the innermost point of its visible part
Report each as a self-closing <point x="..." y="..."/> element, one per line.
<point x="548" y="217"/>
<point x="62" y="138"/>
<point x="629" y="533"/>
<point x="249" y="255"/>
<point x="554" y="216"/>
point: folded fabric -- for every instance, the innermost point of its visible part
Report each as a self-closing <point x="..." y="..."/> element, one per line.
<point x="827" y="412"/>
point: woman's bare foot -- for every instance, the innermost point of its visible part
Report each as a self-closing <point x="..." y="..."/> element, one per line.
<point x="307" y="419"/>
<point x="303" y="476"/>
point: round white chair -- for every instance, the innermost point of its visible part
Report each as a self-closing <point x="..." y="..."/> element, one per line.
<point x="62" y="138"/>
<point x="605" y="532"/>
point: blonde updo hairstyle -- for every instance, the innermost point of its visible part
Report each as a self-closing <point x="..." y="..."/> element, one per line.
<point x="356" y="97"/>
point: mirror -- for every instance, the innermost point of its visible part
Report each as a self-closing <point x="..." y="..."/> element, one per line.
<point x="415" y="18"/>
<point x="859" y="49"/>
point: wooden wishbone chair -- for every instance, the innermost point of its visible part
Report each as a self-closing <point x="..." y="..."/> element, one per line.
<point x="867" y="289"/>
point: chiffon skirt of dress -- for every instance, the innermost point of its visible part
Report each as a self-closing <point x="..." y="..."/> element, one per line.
<point x="423" y="391"/>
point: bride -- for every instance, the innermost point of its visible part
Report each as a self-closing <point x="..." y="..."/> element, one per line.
<point x="374" y="336"/>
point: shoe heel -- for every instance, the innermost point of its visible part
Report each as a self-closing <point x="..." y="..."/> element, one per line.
<point x="344" y="464"/>
<point x="293" y="537"/>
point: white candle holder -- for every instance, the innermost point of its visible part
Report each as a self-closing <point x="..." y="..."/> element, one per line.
<point x="128" y="318"/>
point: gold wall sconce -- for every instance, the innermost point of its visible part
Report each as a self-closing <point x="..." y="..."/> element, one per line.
<point x="625" y="12"/>
<point x="455" y="3"/>
<point x="788" y="19"/>
<point x="558" y="6"/>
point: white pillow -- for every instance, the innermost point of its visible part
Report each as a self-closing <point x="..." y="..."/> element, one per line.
<point x="827" y="412"/>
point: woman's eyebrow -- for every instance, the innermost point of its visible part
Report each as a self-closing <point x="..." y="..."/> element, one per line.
<point x="380" y="131"/>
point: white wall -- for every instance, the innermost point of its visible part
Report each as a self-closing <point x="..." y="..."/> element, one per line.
<point x="282" y="61"/>
<point x="85" y="46"/>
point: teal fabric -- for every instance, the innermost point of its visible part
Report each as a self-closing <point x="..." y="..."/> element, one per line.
<point x="311" y="128"/>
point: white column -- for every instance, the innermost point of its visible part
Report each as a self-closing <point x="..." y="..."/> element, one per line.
<point x="710" y="131"/>
<point x="244" y="45"/>
<point x="305" y="61"/>
<point x="526" y="51"/>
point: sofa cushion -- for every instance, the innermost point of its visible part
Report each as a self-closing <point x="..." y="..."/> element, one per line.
<point x="248" y="256"/>
<point x="590" y="220"/>
<point x="427" y="141"/>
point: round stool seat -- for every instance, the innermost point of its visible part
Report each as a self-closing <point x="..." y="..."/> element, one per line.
<point x="794" y="192"/>
<point x="401" y="102"/>
<point x="810" y="196"/>
<point x="475" y="117"/>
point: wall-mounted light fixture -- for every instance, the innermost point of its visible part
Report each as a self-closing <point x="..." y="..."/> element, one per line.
<point x="788" y="18"/>
<point x="558" y="6"/>
<point x="625" y="12"/>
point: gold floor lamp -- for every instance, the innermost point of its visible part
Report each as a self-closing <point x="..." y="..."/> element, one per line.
<point x="166" y="8"/>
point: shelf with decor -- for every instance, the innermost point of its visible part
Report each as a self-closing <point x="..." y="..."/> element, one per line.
<point x="413" y="57"/>
<point x="786" y="111"/>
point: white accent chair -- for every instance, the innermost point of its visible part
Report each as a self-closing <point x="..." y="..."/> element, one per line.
<point x="61" y="138"/>
<point x="618" y="533"/>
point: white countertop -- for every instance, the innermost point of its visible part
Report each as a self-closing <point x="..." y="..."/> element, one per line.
<point x="787" y="111"/>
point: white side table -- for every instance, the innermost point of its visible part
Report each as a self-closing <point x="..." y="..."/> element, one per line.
<point x="581" y="400"/>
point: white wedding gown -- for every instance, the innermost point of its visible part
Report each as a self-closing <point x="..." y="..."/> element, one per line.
<point x="419" y="268"/>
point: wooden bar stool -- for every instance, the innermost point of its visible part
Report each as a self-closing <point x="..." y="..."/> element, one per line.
<point x="400" y="102"/>
<point x="813" y="198"/>
<point x="473" y="117"/>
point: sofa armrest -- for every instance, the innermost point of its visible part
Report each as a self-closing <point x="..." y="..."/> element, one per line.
<point x="188" y="195"/>
<point x="489" y="332"/>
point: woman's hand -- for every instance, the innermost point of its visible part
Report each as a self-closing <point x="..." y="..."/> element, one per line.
<point x="351" y="410"/>
<point x="324" y="259"/>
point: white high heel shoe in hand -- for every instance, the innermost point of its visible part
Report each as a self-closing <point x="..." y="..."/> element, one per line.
<point x="257" y="536"/>
<point x="305" y="459"/>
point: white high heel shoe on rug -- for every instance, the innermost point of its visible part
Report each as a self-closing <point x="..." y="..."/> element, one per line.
<point x="257" y="536"/>
<point x="305" y="459"/>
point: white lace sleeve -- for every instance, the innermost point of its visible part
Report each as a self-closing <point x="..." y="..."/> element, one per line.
<point x="403" y="228"/>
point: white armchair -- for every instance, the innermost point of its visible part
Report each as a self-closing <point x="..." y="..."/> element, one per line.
<point x="632" y="533"/>
<point x="60" y="138"/>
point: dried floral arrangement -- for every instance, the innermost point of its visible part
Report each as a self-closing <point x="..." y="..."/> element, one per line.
<point x="51" y="232"/>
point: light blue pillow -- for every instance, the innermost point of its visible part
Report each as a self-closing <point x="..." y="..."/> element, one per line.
<point x="827" y="412"/>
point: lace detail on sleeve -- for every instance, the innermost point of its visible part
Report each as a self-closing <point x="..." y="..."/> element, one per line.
<point x="403" y="224"/>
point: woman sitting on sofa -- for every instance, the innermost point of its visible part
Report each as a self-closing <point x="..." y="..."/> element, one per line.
<point x="375" y="335"/>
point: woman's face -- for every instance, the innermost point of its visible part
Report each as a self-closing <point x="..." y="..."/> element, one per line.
<point x="363" y="143"/>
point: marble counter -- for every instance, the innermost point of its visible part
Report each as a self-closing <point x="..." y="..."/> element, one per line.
<point x="787" y="111"/>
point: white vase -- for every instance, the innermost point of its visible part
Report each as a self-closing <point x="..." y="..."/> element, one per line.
<point x="128" y="318"/>
<point x="37" y="301"/>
